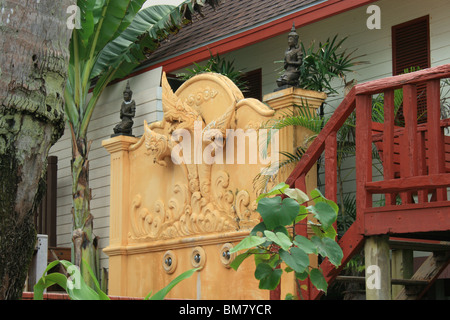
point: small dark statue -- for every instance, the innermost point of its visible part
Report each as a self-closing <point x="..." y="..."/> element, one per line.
<point x="293" y="59"/>
<point x="127" y="113"/>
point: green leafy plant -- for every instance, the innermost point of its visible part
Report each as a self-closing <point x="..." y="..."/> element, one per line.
<point x="273" y="241"/>
<point x="217" y="64"/>
<point x="324" y="63"/>
<point x="327" y="62"/>
<point x="78" y="289"/>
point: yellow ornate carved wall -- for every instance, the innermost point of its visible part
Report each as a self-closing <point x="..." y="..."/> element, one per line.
<point x="175" y="206"/>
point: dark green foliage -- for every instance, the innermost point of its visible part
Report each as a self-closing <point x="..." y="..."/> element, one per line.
<point x="220" y="65"/>
<point x="271" y="243"/>
<point x="323" y="64"/>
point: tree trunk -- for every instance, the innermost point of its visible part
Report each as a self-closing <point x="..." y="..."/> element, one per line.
<point x="34" y="56"/>
<point x="84" y="242"/>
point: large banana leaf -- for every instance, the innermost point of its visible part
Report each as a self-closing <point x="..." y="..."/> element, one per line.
<point x="115" y="46"/>
<point x="147" y="29"/>
<point x="77" y="289"/>
<point x="101" y="22"/>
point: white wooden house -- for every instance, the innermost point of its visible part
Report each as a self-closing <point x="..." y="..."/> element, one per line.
<point x="391" y="34"/>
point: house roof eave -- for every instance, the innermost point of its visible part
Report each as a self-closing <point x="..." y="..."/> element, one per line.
<point x="308" y="15"/>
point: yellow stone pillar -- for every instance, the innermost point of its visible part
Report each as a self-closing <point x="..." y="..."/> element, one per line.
<point x="118" y="147"/>
<point x="284" y="102"/>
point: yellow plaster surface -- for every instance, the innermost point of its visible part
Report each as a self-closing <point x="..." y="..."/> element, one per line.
<point x="163" y="209"/>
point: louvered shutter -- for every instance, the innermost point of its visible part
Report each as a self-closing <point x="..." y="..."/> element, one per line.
<point x="411" y="50"/>
<point x="253" y="81"/>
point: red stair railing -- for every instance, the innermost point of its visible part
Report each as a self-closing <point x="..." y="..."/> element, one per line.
<point x="421" y="164"/>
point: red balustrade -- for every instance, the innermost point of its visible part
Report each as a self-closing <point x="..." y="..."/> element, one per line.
<point x="413" y="159"/>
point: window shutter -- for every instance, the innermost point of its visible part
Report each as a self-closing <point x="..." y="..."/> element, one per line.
<point x="411" y="50"/>
<point x="253" y="81"/>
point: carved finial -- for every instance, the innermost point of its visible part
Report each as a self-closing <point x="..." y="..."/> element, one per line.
<point x="293" y="33"/>
<point x="127" y="88"/>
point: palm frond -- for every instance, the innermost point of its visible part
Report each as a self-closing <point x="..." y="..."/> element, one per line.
<point x="326" y="62"/>
<point x="271" y="171"/>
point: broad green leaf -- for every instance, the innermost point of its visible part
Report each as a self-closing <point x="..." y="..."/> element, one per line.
<point x="334" y="251"/>
<point x="318" y="197"/>
<point x="271" y="282"/>
<point x="320" y="232"/>
<point x="247" y="243"/>
<point x="288" y="269"/>
<point x="330" y="233"/>
<point x="263" y="270"/>
<point x="327" y="247"/>
<point x="324" y="213"/>
<point x="297" y="259"/>
<point x="263" y="257"/>
<point x="270" y="258"/>
<point x="302" y="276"/>
<point x="285" y="241"/>
<point x="259" y="228"/>
<point x="279" y="238"/>
<point x="281" y="229"/>
<point x="318" y="280"/>
<point x="241" y="257"/>
<point x="277" y="212"/>
<point x="302" y="214"/>
<point x="47" y="281"/>
<point x="316" y="229"/>
<point x="296" y="194"/>
<point x="278" y="189"/>
<point x="116" y="15"/>
<point x="150" y="26"/>
<point x="290" y="296"/>
<point x="164" y="291"/>
<point x="75" y="286"/>
<point x="101" y="294"/>
<point x="268" y="277"/>
<point x="87" y="23"/>
<point x="238" y="260"/>
<point x="305" y="244"/>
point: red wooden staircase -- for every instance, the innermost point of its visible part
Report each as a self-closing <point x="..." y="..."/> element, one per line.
<point x="414" y="169"/>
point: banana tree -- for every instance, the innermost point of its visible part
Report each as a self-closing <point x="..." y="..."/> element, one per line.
<point x="113" y="38"/>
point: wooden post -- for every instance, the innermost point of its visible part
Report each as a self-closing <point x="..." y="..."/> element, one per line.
<point x="363" y="156"/>
<point x="402" y="268"/>
<point x="435" y="134"/>
<point x="388" y="142"/>
<point x="378" y="269"/>
<point x="409" y="164"/>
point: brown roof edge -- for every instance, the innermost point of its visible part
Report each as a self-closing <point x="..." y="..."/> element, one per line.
<point x="273" y="28"/>
<point x="305" y="16"/>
